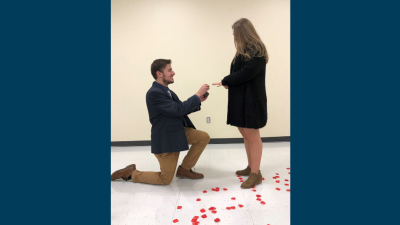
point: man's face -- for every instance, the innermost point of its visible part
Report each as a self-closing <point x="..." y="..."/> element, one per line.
<point x="168" y="75"/>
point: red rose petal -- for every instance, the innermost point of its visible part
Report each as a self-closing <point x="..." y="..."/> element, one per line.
<point x="241" y="180"/>
<point x="240" y="205"/>
<point x="175" y="220"/>
<point x="258" y="196"/>
<point x="288" y="168"/>
<point x="286" y="180"/>
<point x="198" y="199"/>
<point x="214" y="212"/>
<point x="277" y="181"/>
<point x="238" y="176"/>
<point x="204" y="216"/>
<point x="277" y="176"/>
<point x="258" y="199"/>
<point x="225" y="189"/>
<point x="254" y="190"/>
<point x="288" y="172"/>
<point x="273" y="177"/>
<point x="228" y="208"/>
<point x="263" y="178"/>
<point x="278" y="189"/>
<point x="211" y="208"/>
<point x="262" y="202"/>
<point x="217" y="220"/>
<point x="287" y="189"/>
<point x="277" y="173"/>
<point x="213" y="189"/>
<point x="217" y="188"/>
<point x="179" y="207"/>
<point x="233" y="207"/>
<point x="196" y="217"/>
<point x="202" y="210"/>
<point x="204" y="191"/>
<point x="195" y="223"/>
<point x="233" y="198"/>
<point x="286" y="184"/>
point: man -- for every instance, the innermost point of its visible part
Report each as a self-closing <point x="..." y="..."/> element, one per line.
<point x="171" y="130"/>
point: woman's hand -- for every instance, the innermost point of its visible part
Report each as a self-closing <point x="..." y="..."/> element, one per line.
<point x="220" y="84"/>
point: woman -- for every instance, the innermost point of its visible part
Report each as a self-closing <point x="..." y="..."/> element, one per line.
<point x="247" y="99"/>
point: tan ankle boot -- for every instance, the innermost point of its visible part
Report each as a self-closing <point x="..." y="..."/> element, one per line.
<point x="244" y="172"/>
<point x="253" y="180"/>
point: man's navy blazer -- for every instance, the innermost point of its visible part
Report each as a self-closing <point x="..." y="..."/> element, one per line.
<point x="166" y="117"/>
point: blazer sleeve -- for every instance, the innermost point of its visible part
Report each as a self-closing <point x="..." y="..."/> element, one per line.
<point x="168" y="107"/>
<point x="248" y="72"/>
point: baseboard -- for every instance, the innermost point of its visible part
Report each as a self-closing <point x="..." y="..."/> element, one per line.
<point x="212" y="141"/>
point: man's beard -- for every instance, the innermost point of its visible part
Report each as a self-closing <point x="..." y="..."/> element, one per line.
<point x="166" y="81"/>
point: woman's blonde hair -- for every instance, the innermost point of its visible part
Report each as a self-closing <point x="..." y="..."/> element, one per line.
<point x="247" y="41"/>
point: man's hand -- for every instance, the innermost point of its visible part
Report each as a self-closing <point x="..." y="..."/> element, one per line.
<point x="220" y="84"/>
<point x="202" y="99"/>
<point x="203" y="89"/>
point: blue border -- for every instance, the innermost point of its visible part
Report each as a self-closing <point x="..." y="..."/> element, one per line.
<point x="55" y="90"/>
<point x="344" y="112"/>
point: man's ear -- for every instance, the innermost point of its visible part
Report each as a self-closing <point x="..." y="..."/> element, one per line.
<point x="159" y="74"/>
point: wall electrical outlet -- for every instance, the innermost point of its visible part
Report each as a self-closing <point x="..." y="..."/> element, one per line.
<point x="208" y="120"/>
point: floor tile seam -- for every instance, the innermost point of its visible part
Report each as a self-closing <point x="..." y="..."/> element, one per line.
<point x="177" y="199"/>
<point x="247" y="206"/>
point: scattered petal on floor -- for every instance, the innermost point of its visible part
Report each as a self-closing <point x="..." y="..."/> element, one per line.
<point x="233" y="198"/>
<point x="258" y="196"/>
<point x="278" y="189"/>
<point x="214" y="212"/>
<point x="225" y="189"/>
<point x="217" y="220"/>
<point x="258" y="199"/>
<point x="262" y="202"/>
<point x="175" y="220"/>
<point x="204" y="191"/>
<point x="287" y="189"/>
<point x="202" y="210"/>
<point x="198" y="199"/>
<point x="179" y="207"/>
<point x="240" y="205"/>
<point x="204" y="216"/>
<point x="286" y="184"/>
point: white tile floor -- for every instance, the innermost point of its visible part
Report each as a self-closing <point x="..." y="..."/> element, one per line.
<point x="136" y="203"/>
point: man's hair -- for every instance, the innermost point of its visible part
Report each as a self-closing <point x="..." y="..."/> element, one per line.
<point x="159" y="65"/>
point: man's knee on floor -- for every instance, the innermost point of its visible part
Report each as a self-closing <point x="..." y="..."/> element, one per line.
<point x="167" y="181"/>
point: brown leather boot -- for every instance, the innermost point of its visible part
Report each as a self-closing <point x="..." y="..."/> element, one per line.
<point x="124" y="173"/>
<point x="244" y="172"/>
<point x="182" y="173"/>
<point x="252" y="180"/>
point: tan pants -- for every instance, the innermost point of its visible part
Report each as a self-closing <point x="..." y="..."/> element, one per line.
<point x="168" y="161"/>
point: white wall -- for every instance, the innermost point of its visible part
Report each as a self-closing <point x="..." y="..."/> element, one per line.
<point x="197" y="36"/>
